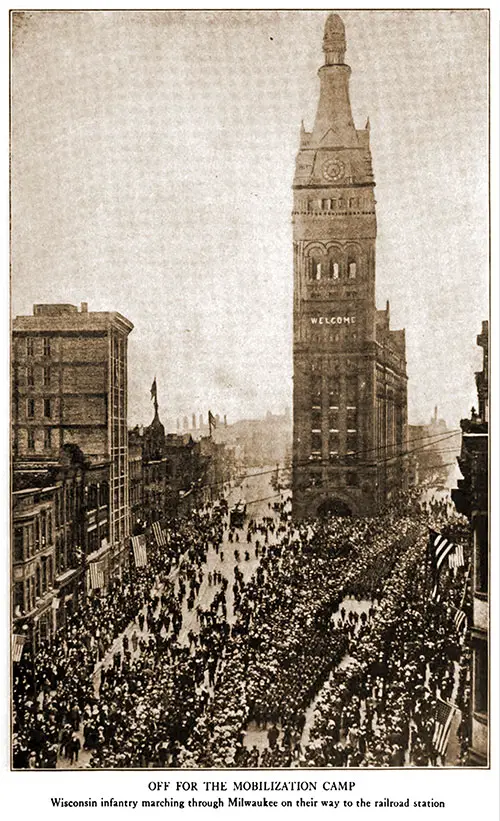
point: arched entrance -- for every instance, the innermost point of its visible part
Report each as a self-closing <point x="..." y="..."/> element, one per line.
<point x="334" y="507"/>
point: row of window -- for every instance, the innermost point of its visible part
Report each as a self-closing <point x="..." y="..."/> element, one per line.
<point x="31" y="408"/>
<point x="334" y="444"/>
<point x="331" y="391"/>
<point x="97" y="496"/>
<point x="32" y="348"/>
<point x="332" y="204"/>
<point x="29" y="539"/>
<point x="316" y="480"/>
<point x="30" y="376"/>
<point x="317" y="270"/>
<point x="26" y="593"/>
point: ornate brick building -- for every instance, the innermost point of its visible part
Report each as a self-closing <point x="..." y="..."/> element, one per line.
<point x="69" y="372"/>
<point x="350" y="383"/>
<point x="471" y="499"/>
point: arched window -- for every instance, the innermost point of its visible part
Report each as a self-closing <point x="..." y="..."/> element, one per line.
<point x="334" y="270"/>
<point x="352" y="269"/>
<point x="315" y="269"/>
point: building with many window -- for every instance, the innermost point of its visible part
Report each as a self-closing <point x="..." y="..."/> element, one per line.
<point x="471" y="499"/>
<point x="70" y="440"/>
<point x="350" y="383"/>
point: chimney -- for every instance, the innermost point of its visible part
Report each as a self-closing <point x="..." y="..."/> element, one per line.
<point x="193" y="421"/>
<point x="225" y="421"/>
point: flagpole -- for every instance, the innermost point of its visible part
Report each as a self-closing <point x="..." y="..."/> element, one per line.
<point x="465" y="585"/>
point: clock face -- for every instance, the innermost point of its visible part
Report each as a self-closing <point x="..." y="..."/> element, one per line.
<point x="333" y="170"/>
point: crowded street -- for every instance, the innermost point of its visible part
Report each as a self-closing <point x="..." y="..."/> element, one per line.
<point x="267" y="645"/>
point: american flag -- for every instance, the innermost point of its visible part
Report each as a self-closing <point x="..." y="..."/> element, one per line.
<point x="139" y="548"/>
<point x="96" y="575"/>
<point x="159" y="535"/>
<point x="439" y="548"/>
<point x="460" y="620"/>
<point x="17" y="647"/>
<point x="442" y="725"/>
<point x="456" y="559"/>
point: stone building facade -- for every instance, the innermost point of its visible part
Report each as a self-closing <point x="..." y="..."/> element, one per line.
<point x="69" y="459"/>
<point x="70" y="388"/>
<point x="350" y="383"/>
<point x="471" y="499"/>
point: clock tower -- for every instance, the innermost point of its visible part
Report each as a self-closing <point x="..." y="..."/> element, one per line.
<point x="350" y="394"/>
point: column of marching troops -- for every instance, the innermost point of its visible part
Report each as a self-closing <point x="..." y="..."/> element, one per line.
<point x="275" y="645"/>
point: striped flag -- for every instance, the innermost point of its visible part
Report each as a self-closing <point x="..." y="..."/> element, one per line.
<point x="456" y="558"/>
<point x="159" y="535"/>
<point x="439" y="547"/>
<point x="96" y="575"/>
<point x="17" y="647"/>
<point x="460" y="620"/>
<point x="442" y="725"/>
<point x="139" y="548"/>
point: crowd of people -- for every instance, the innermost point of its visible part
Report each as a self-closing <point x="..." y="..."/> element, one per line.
<point x="320" y="636"/>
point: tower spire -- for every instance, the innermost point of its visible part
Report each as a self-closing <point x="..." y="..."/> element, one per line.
<point x="334" y="125"/>
<point x="334" y="40"/>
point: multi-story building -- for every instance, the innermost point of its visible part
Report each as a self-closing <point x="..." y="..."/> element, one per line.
<point x="34" y="562"/>
<point x="135" y="479"/>
<point x="350" y="383"/>
<point x="471" y="499"/>
<point x="69" y="397"/>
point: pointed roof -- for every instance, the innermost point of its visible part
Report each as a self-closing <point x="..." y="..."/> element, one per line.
<point x="334" y="125"/>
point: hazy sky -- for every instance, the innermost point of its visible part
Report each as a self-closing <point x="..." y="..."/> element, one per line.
<point x="153" y="157"/>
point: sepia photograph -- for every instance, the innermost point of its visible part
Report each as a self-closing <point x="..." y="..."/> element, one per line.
<point x="249" y="396"/>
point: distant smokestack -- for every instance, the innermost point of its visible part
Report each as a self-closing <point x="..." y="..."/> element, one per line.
<point x="200" y="421"/>
<point x="217" y="419"/>
<point x="225" y="421"/>
<point x="84" y="307"/>
<point x="185" y="423"/>
<point x="193" y="421"/>
<point x="178" y="424"/>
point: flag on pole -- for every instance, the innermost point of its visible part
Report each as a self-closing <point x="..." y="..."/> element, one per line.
<point x="439" y="547"/>
<point x="17" y="647"/>
<point x="159" y="535"/>
<point x="442" y="725"/>
<point x="456" y="558"/>
<point x="96" y="574"/>
<point x="460" y="619"/>
<point x="212" y="422"/>
<point x="139" y="548"/>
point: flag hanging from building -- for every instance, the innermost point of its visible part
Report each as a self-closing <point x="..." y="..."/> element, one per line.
<point x="139" y="548"/>
<point x="159" y="535"/>
<point x="442" y="725"/>
<point x="96" y="575"/>
<point x="439" y="547"/>
<point x="460" y="619"/>
<point x="17" y="647"/>
<point x="456" y="558"/>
